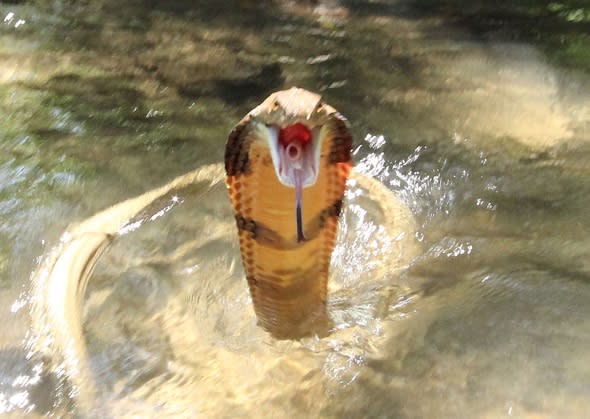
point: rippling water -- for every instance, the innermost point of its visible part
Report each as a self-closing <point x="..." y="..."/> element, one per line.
<point x="480" y="311"/>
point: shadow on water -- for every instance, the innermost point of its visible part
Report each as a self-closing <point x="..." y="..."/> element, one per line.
<point x="560" y="28"/>
<point x="134" y="34"/>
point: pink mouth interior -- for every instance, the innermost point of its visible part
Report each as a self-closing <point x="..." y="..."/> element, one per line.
<point x="295" y="146"/>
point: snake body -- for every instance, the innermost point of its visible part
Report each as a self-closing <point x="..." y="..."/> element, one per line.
<point x="288" y="276"/>
<point x="287" y="268"/>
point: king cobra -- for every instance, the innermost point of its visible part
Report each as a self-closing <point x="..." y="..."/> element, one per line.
<point x="287" y="163"/>
<point x="286" y="168"/>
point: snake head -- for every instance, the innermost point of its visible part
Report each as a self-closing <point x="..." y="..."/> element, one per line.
<point x="294" y="119"/>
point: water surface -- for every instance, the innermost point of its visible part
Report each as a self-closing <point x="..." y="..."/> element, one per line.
<point x="481" y="134"/>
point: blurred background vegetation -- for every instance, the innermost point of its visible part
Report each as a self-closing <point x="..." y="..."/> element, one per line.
<point x="562" y="29"/>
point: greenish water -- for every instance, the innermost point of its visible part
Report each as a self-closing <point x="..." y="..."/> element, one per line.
<point x="476" y="117"/>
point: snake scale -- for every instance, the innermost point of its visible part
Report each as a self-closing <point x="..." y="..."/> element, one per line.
<point x="286" y="217"/>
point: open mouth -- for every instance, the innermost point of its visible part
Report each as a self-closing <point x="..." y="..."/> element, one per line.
<point x="295" y="151"/>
